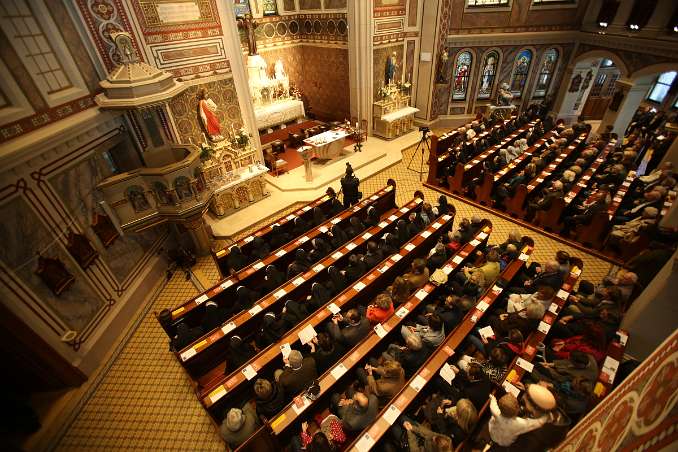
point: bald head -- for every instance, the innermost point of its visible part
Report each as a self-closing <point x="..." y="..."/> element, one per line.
<point x="361" y="400"/>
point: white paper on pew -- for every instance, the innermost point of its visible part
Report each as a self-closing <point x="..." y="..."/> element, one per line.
<point x="383" y="224"/>
<point x="482" y="236"/>
<point x="626" y="184"/>
<point x="393" y="218"/>
<point x="351" y="246"/>
<point x="334" y="309"/>
<point x="323" y="229"/>
<point x="448" y="269"/>
<point x="523" y="257"/>
<point x="474" y="318"/>
<point x="336" y="220"/>
<point x="402" y="312"/>
<point x="617" y="199"/>
<point x="586" y="177"/>
<point x="457" y="259"/>
<point x="254" y="310"/>
<point x="528" y="366"/>
<point x="544" y="327"/>
<point x="303" y="239"/>
<point x="563" y="294"/>
<point x="380" y="330"/>
<point x="426" y="234"/>
<point x="366" y="236"/>
<point x="217" y="394"/>
<point x="228" y="283"/>
<point x="623" y="337"/>
<point x="258" y="266"/>
<point x="281" y="252"/>
<point x="482" y="306"/>
<point x="357" y="208"/>
<point x="248" y="239"/>
<point x="435" y="225"/>
<point x="421" y="294"/>
<point x="496" y="289"/>
<point x="306" y="208"/>
<point x="568" y="199"/>
<point x="384" y="268"/>
<point x="486" y="332"/>
<point x="299" y="409"/>
<point x="291" y="217"/>
<point x="447" y="373"/>
<point x="318" y="268"/>
<point x="299" y="281"/>
<point x="511" y="389"/>
<point x="230" y="326"/>
<point x="338" y="371"/>
<point x="611" y="365"/>
<point x="307" y="334"/>
<point x="553" y="307"/>
<point x="285" y="349"/>
<point x="540" y="180"/>
<point x="447" y="217"/>
<point x="365" y="443"/>
<point x="188" y="354"/>
<point x="249" y="372"/>
<point x="337" y="255"/>
<point x="417" y="383"/>
<point x="404" y="209"/>
<point x="396" y="257"/>
<point x="474" y="242"/>
<point x="391" y="414"/>
<point x="201" y="299"/>
<point x="374" y="197"/>
<point x="359" y="286"/>
<point x="279" y="294"/>
<point x="409" y="246"/>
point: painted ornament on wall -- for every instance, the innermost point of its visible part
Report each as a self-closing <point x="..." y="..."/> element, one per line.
<point x="575" y="84"/>
<point x="207" y="116"/>
<point x="390" y="68"/>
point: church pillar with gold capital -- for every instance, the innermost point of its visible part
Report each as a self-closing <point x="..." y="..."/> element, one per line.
<point x="360" y="25"/>
<point x="197" y="230"/>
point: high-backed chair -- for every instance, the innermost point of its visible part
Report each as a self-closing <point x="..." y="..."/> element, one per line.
<point x="278" y="147"/>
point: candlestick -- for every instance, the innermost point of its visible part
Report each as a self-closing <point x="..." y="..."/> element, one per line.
<point x="204" y="138"/>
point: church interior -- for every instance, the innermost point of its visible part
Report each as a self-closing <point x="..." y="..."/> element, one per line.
<point x="339" y="225"/>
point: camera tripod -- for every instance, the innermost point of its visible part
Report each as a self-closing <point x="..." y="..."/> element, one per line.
<point x="423" y="144"/>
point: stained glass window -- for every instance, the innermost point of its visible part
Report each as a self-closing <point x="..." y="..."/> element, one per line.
<point x="489" y="73"/>
<point x="548" y="65"/>
<point x="521" y="69"/>
<point x="487" y="2"/>
<point x="462" y="70"/>
<point x="241" y="7"/>
<point x="270" y="8"/>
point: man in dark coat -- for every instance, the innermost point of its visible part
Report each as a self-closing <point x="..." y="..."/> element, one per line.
<point x="349" y="185"/>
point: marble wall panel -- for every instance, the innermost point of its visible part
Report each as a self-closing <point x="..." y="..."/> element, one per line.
<point x="184" y="109"/>
<point x="24" y="236"/>
<point x="325" y="81"/>
<point x="309" y="4"/>
<point x="75" y="186"/>
<point x="334" y="4"/>
<point x="288" y="5"/>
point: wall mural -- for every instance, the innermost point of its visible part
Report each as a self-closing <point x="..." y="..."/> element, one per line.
<point x="184" y="108"/>
<point x="381" y="56"/>
<point x="26" y="236"/>
<point x="75" y="188"/>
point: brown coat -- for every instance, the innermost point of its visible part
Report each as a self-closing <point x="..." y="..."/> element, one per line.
<point x="385" y="388"/>
<point x="295" y="381"/>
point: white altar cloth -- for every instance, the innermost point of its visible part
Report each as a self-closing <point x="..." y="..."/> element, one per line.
<point x="327" y="145"/>
<point x="278" y="113"/>
<point x="390" y="117"/>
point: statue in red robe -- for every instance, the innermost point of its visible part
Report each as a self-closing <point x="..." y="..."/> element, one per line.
<point x="208" y="118"/>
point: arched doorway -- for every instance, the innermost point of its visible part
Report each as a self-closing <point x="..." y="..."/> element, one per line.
<point x="602" y="90"/>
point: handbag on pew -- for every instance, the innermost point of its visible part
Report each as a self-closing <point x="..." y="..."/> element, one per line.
<point x="313" y="391"/>
<point x="438" y="277"/>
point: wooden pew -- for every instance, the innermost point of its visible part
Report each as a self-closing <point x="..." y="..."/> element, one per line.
<point x="516" y="205"/>
<point x="608" y="370"/>
<point x="291" y="413"/>
<point x="550" y="219"/>
<point x="204" y="359"/>
<point x="484" y="191"/>
<point x="463" y="174"/>
<point x="385" y="419"/>
<point x="192" y="311"/>
<point x="593" y="234"/>
<point x="440" y="146"/>
<point x="285" y="223"/>
<point x="221" y="394"/>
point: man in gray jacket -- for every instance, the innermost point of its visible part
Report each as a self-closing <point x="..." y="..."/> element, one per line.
<point x="357" y="327"/>
<point x="239" y="425"/>
<point x="358" y="412"/>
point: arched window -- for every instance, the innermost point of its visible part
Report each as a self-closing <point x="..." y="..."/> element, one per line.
<point x="521" y="70"/>
<point x="488" y="75"/>
<point x="548" y="66"/>
<point x="661" y="87"/>
<point x="462" y="70"/>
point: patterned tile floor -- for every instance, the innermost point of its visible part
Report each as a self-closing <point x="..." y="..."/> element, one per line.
<point x="142" y="399"/>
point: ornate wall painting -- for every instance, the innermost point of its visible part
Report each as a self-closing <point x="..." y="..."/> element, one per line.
<point x="381" y="55"/>
<point x="575" y="83"/>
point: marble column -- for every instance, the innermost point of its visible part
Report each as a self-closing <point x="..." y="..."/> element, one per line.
<point x="428" y="56"/>
<point x="238" y="70"/>
<point x="360" y="56"/>
<point x="197" y="230"/>
<point x="634" y="93"/>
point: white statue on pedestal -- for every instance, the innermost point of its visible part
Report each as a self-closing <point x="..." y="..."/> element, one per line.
<point x="281" y="76"/>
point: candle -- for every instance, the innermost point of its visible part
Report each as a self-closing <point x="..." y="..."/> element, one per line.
<point x="204" y="138"/>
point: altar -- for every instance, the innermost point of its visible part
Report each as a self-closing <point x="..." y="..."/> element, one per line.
<point x="243" y="186"/>
<point x="326" y="146"/>
<point x="279" y="112"/>
<point x="392" y="115"/>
